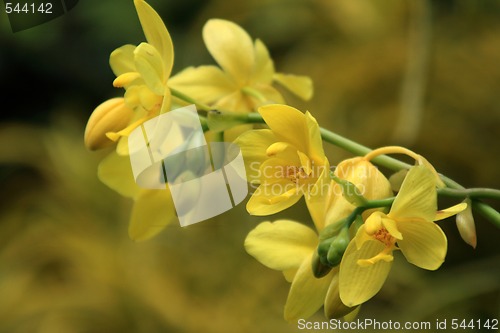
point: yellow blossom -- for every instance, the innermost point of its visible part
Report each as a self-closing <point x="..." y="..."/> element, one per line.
<point x="152" y="210"/>
<point x="292" y="247"/>
<point x="286" y="161"/>
<point x="143" y="72"/>
<point x="408" y="227"/>
<point x="244" y="80"/>
<point x="110" y="116"/>
<point x="289" y="247"/>
<point x="370" y="182"/>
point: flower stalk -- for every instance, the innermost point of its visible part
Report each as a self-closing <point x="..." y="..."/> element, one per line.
<point x="453" y="188"/>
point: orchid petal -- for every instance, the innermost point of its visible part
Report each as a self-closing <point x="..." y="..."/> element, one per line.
<point x="205" y="83"/>
<point x="392" y="227"/>
<point x="126" y="131"/>
<point x="305" y="162"/>
<point x="315" y="142"/>
<point x="279" y="169"/>
<point x="358" y="284"/>
<point x="264" y="68"/>
<point x="424" y="243"/>
<point x="307" y="292"/>
<point x="153" y="210"/>
<point x="290" y="274"/>
<point x="417" y="197"/>
<point x="334" y="308"/>
<point x="276" y="148"/>
<point x="127" y="79"/>
<point x="281" y="245"/>
<point x="301" y="86"/>
<point x="271" y="95"/>
<point x="149" y="64"/>
<point x="272" y="198"/>
<point x="287" y="123"/>
<point x="237" y="101"/>
<point x="121" y="60"/>
<point x="231" y="47"/>
<point x="115" y="172"/>
<point x="450" y="211"/>
<point x="253" y="145"/>
<point x="156" y="34"/>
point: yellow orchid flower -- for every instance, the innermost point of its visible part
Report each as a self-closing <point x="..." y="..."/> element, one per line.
<point x="408" y="227"/>
<point x="289" y="247"/>
<point x="245" y="78"/>
<point x="152" y="210"/>
<point x="370" y="182"/>
<point x="287" y="160"/>
<point x="143" y="71"/>
<point x="112" y="115"/>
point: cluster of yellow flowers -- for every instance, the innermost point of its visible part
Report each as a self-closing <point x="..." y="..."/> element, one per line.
<point x="345" y="261"/>
<point x="358" y="223"/>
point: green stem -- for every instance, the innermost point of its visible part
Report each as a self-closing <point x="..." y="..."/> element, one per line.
<point x="369" y="205"/>
<point x="470" y="192"/>
<point x="379" y="203"/>
<point x="200" y="106"/>
<point x="360" y="150"/>
<point x="204" y="123"/>
<point x="487" y="212"/>
<point x="391" y="163"/>
<point x="344" y="143"/>
<point x="357" y="149"/>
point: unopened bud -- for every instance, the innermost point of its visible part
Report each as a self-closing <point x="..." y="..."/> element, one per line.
<point x="319" y="268"/>
<point x="466" y="225"/>
<point x="111" y="116"/>
<point x="334" y="308"/>
<point x="333" y="229"/>
<point x="331" y="250"/>
<point x="338" y="247"/>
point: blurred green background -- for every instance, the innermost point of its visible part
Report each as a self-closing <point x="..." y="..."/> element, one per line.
<point x="424" y="74"/>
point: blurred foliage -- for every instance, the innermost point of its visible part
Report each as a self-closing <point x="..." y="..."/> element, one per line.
<point x="66" y="263"/>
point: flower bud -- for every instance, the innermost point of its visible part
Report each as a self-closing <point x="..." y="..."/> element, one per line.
<point x="319" y="268"/>
<point x="111" y="116"/>
<point x="466" y="225"/>
<point x="331" y="250"/>
<point x="338" y="247"/>
<point x="369" y="181"/>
